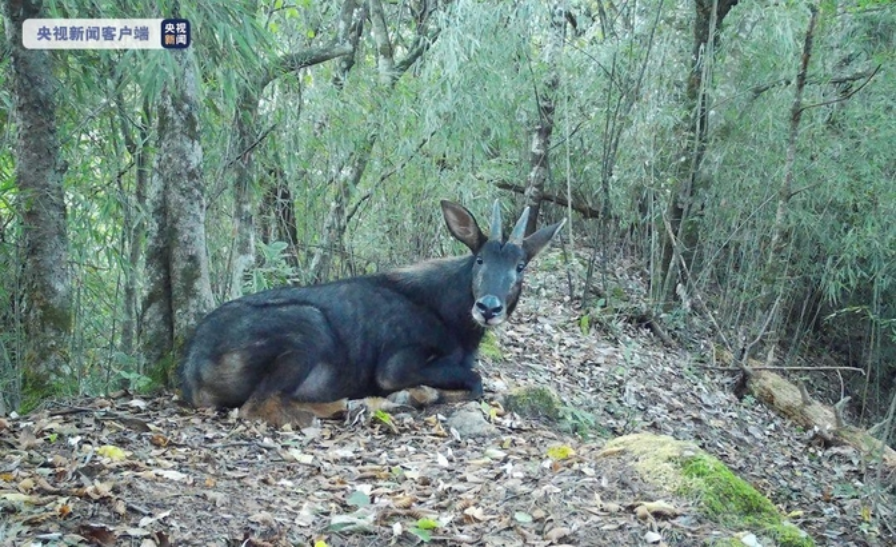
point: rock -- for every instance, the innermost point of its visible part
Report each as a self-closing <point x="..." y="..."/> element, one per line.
<point x="469" y="421"/>
<point x="534" y="402"/>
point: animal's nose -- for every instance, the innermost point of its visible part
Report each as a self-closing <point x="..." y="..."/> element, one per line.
<point x="489" y="306"/>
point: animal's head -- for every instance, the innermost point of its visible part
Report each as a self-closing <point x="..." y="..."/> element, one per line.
<point x="499" y="264"/>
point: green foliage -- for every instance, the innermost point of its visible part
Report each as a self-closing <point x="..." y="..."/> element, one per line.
<point x="274" y="269"/>
<point x="423" y="529"/>
<point x="358" y="499"/>
<point x="162" y="374"/>
<point x="581" y="422"/>
<point x="138" y="383"/>
<point x="383" y="416"/>
<point x="490" y="347"/>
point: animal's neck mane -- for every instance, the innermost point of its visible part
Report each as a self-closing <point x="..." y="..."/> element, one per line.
<point x="444" y="285"/>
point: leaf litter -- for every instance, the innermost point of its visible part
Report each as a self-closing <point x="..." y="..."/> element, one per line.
<point x="146" y="471"/>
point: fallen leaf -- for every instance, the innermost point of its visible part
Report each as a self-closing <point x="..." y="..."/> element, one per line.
<point x="112" y="452"/>
<point x="146" y="521"/>
<point x="474" y="513"/>
<point x="656" y="509"/>
<point x="404" y="502"/>
<point x="495" y="454"/>
<point x="26" y="485"/>
<point x="97" y="533"/>
<point x="557" y="533"/>
<point x="299" y="456"/>
<point x="159" y="440"/>
<point x="262" y="518"/>
<point x="561" y="452"/>
<point x="218" y="498"/>
<point x="120" y="507"/>
<point x="357" y="522"/>
<point x="426" y="524"/>
<point x="358" y="499"/>
<point x="18" y="497"/>
<point x="171" y="474"/>
<point x="27" y="439"/>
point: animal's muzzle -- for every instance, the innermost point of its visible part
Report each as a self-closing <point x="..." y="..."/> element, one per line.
<point x="488" y="311"/>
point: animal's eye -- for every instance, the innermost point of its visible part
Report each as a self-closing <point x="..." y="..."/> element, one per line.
<point x="520" y="267"/>
<point x="479" y="260"/>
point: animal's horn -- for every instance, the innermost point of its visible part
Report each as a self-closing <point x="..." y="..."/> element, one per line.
<point x="495" y="232"/>
<point x="519" y="231"/>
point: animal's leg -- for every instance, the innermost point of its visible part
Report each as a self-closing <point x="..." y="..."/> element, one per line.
<point x="423" y="396"/>
<point x="412" y="367"/>
<point x="283" y="395"/>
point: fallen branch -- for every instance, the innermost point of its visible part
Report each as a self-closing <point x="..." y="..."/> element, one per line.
<point x="584" y="210"/>
<point x="851" y="369"/>
<point x="787" y="400"/>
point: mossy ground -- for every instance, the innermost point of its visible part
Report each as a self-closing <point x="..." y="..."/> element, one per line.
<point x="727" y="499"/>
<point x="720" y="496"/>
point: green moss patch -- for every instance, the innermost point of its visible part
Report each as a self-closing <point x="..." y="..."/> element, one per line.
<point x="719" y="495"/>
<point x="723" y="495"/>
<point x="534" y="402"/>
<point x="490" y="348"/>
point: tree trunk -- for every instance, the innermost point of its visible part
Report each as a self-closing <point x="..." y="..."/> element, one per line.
<point x="541" y="135"/>
<point x="133" y="223"/>
<point x="795" y="404"/>
<point x="706" y="24"/>
<point x="178" y="288"/>
<point x="332" y="240"/>
<point x="46" y="282"/>
<point x="243" y="254"/>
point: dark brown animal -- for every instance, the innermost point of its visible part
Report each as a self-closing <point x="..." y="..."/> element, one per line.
<point x="280" y="352"/>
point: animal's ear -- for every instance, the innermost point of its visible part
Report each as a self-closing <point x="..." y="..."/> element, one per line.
<point x="537" y="241"/>
<point x="463" y="226"/>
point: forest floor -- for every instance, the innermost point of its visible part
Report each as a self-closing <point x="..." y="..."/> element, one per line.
<point x="136" y="470"/>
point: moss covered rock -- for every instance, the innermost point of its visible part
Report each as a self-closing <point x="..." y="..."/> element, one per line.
<point x="683" y="469"/>
<point x="534" y="402"/>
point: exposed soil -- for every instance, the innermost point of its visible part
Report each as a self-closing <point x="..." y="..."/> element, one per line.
<point x="145" y="471"/>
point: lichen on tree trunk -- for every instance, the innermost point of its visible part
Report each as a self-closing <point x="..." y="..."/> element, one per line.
<point x="544" y="127"/>
<point x="45" y="290"/>
<point x="178" y="288"/>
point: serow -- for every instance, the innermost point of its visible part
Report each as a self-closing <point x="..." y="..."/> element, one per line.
<point x="282" y="353"/>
